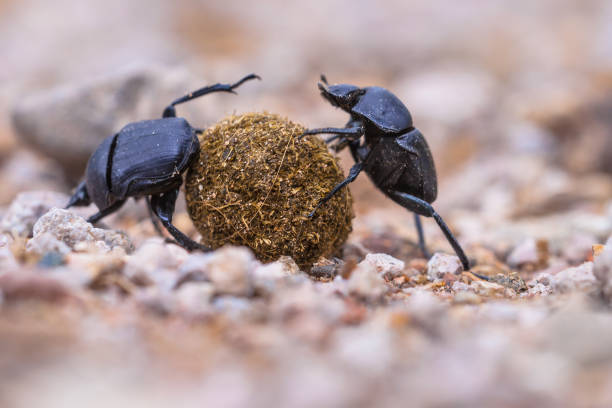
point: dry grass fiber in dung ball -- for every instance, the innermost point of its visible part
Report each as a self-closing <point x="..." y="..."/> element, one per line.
<point x="255" y="183"/>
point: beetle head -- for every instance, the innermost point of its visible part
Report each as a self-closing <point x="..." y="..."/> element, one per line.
<point x="344" y="96"/>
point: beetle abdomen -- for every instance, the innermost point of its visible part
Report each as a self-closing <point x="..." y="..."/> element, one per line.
<point x="149" y="156"/>
<point x="96" y="175"/>
<point x="392" y="168"/>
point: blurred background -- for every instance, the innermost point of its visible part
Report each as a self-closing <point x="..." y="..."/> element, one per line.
<point x="514" y="98"/>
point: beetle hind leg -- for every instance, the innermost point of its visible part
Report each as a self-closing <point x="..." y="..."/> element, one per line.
<point x="422" y="207"/>
<point x="163" y="207"/>
<point x="419" y="228"/>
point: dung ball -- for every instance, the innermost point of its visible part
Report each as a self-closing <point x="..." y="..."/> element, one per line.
<point x="255" y="183"/>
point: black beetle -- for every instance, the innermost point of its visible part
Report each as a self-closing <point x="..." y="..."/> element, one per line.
<point x="394" y="153"/>
<point x="146" y="159"/>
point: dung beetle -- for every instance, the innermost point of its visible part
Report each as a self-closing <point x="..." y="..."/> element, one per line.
<point x="146" y="159"/>
<point x="393" y="153"/>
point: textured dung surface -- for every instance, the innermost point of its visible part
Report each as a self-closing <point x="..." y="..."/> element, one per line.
<point x="256" y="182"/>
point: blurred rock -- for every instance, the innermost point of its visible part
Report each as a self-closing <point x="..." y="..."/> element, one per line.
<point x="579" y="333"/>
<point x="539" y="289"/>
<point x="510" y="280"/>
<point x="229" y="269"/>
<point x="45" y="243"/>
<point x="27" y="208"/>
<point x="69" y="122"/>
<point x="156" y="262"/>
<point x="602" y="269"/>
<point x="61" y="231"/>
<point x="7" y="258"/>
<point x="366" y="349"/>
<point x="26" y="285"/>
<point x="441" y="264"/>
<point x="156" y="302"/>
<point x="459" y="286"/>
<point x="541" y="284"/>
<point x="266" y="277"/>
<point x="385" y="265"/>
<point x="582" y="130"/>
<point x="365" y="282"/>
<point x="488" y="289"/>
<point x="233" y="307"/>
<point x="194" y="298"/>
<point x="467" y="297"/>
<point x="578" y="248"/>
<point x="307" y="311"/>
<point x="580" y="278"/>
<point x="529" y="252"/>
<point x="90" y="270"/>
<point x="27" y="170"/>
<point x="326" y="269"/>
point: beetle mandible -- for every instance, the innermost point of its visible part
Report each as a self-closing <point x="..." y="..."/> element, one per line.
<point x="394" y="154"/>
<point x="146" y="159"/>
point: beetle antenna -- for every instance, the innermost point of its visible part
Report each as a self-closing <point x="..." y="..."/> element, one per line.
<point x="324" y="79"/>
<point x="170" y="111"/>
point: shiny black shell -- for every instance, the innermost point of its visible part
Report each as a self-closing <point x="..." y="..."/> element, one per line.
<point x="383" y="109"/>
<point x="144" y="158"/>
<point x="404" y="164"/>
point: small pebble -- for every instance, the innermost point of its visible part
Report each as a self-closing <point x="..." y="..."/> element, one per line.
<point x="441" y="264"/>
<point x="602" y="269"/>
<point x="385" y="264"/>
<point x="230" y="270"/>
<point x="61" y="230"/>
<point x="579" y="278"/>
<point x="194" y="298"/>
<point x="365" y="282"/>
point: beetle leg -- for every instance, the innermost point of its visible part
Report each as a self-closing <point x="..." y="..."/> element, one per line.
<point x="170" y="112"/>
<point x="163" y="207"/>
<point x="357" y="132"/>
<point x="353" y="173"/>
<point x="155" y="223"/>
<point x="419" y="228"/>
<point x="422" y="207"/>
<point x="153" y="217"/>
<point x="80" y="198"/>
<point x="107" y="211"/>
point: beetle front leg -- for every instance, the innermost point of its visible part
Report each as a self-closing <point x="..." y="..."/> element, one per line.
<point x="80" y="198"/>
<point x="353" y="132"/>
<point x="353" y="173"/>
<point x="163" y="207"/>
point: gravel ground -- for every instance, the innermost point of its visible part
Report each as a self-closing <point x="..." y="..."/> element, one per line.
<point x="515" y="101"/>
